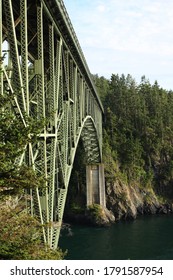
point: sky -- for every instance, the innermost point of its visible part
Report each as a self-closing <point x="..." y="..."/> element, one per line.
<point x="126" y="37"/>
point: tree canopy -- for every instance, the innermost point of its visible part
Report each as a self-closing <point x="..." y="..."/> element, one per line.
<point x="138" y="131"/>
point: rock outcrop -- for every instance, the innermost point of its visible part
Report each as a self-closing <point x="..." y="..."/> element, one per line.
<point x="99" y="215"/>
<point x="127" y="202"/>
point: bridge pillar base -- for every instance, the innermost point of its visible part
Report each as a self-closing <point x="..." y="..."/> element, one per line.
<point x="95" y="182"/>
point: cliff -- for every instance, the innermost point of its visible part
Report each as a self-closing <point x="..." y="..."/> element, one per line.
<point x="128" y="202"/>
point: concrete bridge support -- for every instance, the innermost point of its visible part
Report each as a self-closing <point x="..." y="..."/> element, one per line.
<point x="95" y="182"/>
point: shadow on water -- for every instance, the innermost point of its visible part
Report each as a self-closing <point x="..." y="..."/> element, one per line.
<point x="146" y="238"/>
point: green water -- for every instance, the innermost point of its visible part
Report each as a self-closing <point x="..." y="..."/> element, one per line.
<point x="143" y="239"/>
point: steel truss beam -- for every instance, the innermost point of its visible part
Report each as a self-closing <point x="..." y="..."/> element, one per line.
<point x="47" y="77"/>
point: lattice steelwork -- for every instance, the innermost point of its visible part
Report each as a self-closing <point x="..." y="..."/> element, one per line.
<point x="46" y="74"/>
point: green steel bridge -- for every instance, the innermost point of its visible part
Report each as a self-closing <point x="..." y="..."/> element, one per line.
<point x="46" y="74"/>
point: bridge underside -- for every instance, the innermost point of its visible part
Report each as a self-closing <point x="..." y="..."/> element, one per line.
<point x="44" y="72"/>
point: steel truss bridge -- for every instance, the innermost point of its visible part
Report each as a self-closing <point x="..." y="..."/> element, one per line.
<point x="46" y="74"/>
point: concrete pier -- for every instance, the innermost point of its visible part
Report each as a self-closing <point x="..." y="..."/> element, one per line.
<point x="95" y="182"/>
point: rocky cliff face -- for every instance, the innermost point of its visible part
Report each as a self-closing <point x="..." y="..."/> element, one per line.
<point x="123" y="202"/>
<point x="127" y="202"/>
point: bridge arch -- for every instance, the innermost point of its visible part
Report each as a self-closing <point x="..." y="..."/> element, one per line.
<point x="46" y="75"/>
<point x="91" y="142"/>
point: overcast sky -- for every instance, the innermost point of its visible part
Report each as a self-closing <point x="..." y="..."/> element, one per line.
<point x="126" y="36"/>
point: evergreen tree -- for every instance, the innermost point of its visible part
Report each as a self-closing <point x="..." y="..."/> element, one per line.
<point x="20" y="234"/>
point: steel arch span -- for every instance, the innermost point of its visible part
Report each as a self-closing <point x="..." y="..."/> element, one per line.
<point x="44" y="71"/>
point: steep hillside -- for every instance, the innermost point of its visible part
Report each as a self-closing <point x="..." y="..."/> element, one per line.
<point x="138" y="150"/>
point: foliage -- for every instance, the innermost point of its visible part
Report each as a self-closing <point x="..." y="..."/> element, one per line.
<point x="138" y="132"/>
<point x="102" y="85"/>
<point x="96" y="213"/>
<point x="20" y="235"/>
<point x="14" y="137"/>
<point x="77" y="209"/>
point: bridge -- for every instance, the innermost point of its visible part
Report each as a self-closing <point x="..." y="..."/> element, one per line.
<point x="44" y="71"/>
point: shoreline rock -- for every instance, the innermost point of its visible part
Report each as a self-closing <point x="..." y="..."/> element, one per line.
<point x="123" y="202"/>
<point x="127" y="202"/>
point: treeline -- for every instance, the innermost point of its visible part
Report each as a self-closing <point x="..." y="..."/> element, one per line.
<point x="138" y="132"/>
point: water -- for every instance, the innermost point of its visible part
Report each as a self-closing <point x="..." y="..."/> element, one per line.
<point x="147" y="238"/>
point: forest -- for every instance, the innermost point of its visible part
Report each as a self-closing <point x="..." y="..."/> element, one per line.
<point x="138" y="132"/>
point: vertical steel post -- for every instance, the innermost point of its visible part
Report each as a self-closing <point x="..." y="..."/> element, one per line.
<point x="24" y="52"/>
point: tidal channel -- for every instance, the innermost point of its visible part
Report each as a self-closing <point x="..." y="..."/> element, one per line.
<point x="146" y="238"/>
